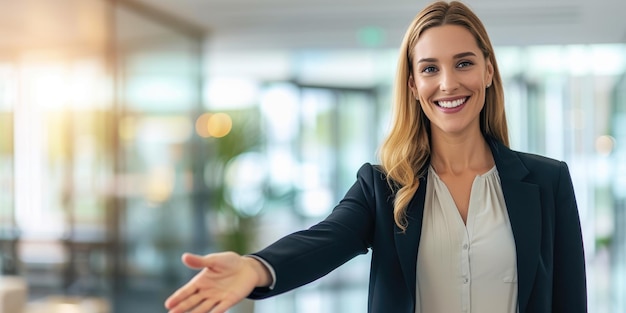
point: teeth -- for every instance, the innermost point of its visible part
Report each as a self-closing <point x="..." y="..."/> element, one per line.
<point x="451" y="104"/>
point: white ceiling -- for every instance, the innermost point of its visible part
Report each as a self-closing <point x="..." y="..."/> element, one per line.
<point x="314" y="24"/>
<point x="287" y="24"/>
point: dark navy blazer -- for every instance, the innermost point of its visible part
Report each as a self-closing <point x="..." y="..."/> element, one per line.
<point x="542" y="210"/>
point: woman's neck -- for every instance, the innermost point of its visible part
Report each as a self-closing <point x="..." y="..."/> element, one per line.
<point x="459" y="154"/>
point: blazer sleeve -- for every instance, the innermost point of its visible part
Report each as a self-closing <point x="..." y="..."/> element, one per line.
<point x="569" y="280"/>
<point x="307" y="255"/>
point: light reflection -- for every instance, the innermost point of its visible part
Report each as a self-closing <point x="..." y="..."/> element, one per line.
<point x="56" y="135"/>
<point x="47" y="85"/>
<point x="604" y="145"/>
<point x="215" y="125"/>
<point x="245" y="190"/>
<point x="68" y="308"/>
<point x="280" y="107"/>
<point x="88" y="85"/>
<point x="164" y="129"/>
<point x="219" y="125"/>
<point x="69" y="304"/>
<point x="315" y="202"/>
<point x="48" y="88"/>
<point x="29" y="160"/>
<point x="127" y="128"/>
<point x="201" y="125"/>
<point x="8" y="86"/>
<point x="231" y="93"/>
<point x="159" y="184"/>
<point x="159" y="93"/>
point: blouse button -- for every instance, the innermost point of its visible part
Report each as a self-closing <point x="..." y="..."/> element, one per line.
<point x="465" y="246"/>
<point x="465" y="280"/>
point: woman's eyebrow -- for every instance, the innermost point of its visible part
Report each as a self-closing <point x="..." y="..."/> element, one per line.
<point x="464" y="54"/>
<point x="427" y="60"/>
<point x="456" y="56"/>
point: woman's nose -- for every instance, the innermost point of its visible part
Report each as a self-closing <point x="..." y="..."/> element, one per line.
<point x="449" y="81"/>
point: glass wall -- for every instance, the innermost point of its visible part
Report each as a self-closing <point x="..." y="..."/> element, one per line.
<point x="158" y="190"/>
<point x="97" y="179"/>
<point x="157" y="70"/>
<point x="54" y="95"/>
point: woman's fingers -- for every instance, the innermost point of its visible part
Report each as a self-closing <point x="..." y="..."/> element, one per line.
<point x="204" y="307"/>
<point x="193" y="286"/>
<point x="180" y="295"/>
<point x="187" y="304"/>
<point x="190" y="289"/>
<point x="199" y="303"/>
<point x="194" y="261"/>
<point x="224" y="305"/>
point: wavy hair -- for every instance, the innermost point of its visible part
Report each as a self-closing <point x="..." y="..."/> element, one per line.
<point x="405" y="153"/>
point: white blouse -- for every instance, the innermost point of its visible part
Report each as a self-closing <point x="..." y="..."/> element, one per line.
<point x="466" y="267"/>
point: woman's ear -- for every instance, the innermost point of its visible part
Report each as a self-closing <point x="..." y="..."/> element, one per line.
<point x="412" y="86"/>
<point x="489" y="74"/>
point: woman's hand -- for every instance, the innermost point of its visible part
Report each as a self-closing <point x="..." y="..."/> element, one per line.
<point x="225" y="279"/>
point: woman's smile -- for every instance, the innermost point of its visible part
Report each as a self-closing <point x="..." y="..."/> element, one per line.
<point x="451" y="105"/>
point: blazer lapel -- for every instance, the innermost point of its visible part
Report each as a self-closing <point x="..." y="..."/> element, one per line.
<point x="407" y="243"/>
<point x="524" y="207"/>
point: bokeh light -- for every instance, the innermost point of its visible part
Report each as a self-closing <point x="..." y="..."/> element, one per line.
<point x="219" y="125"/>
<point x="605" y="144"/>
<point x="201" y="125"/>
<point x="159" y="184"/>
<point x="127" y="128"/>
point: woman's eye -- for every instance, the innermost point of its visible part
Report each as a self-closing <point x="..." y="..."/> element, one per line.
<point x="429" y="69"/>
<point x="464" y="64"/>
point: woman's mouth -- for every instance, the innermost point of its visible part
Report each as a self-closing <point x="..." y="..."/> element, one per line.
<point x="451" y="104"/>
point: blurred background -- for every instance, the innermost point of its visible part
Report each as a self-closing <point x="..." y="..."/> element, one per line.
<point x="133" y="131"/>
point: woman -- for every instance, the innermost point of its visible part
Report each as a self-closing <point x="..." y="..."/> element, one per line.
<point x="456" y="221"/>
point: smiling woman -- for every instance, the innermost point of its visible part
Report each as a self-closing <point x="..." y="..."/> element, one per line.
<point x="456" y="221"/>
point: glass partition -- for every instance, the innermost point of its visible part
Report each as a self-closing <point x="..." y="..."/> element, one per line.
<point x="97" y="149"/>
<point x="159" y="155"/>
<point x="55" y="90"/>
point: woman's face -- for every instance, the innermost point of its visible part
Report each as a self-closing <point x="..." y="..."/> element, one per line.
<point x="450" y="76"/>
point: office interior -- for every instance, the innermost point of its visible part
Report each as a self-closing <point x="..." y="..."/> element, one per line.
<point x="131" y="133"/>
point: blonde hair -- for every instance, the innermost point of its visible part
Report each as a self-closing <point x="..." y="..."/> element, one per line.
<point x="405" y="152"/>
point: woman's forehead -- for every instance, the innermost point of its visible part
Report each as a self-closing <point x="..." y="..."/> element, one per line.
<point x="445" y="42"/>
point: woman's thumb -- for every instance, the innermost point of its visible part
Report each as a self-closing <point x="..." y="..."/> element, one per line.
<point x="195" y="261"/>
